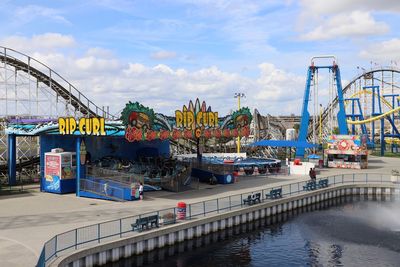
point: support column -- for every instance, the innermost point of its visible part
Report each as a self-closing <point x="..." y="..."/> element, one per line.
<point x="78" y="164"/>
<point x="12" y="159"/>
<point x="382" y="135"/>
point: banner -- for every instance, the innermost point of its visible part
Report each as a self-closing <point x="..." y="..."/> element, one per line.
<point x="191" y="122"/>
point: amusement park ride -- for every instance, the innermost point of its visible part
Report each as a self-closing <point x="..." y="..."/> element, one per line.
<point x="30" y="90"/>
<point x="312" y="89"/>
<point x="371" y="99"/>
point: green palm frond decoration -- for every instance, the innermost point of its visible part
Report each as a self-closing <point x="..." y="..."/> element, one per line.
<point x="136" y="106"/>
<point x="243" y="111"/>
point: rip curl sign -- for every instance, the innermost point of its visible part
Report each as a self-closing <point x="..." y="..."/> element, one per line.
<point x="85" y="126"/>
<point x="196" y="117"/>
<point x="192" y="122"/>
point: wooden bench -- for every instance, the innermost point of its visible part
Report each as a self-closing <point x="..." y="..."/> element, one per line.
<point x="310" y="185"/>
<point x="322" y="183"/>
<point x="274" y="193"/>
<point x="145" y="222"/>
<point x="252" y="199"/>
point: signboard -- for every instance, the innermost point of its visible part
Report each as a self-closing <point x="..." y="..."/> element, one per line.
<point x="53" y="164"/>
<point x="190" y="119"/>
<point x="85" y="126"/>
<point x="193" y="121"/>
<point x="52" y="172"/>
<point x="346" y="144"/>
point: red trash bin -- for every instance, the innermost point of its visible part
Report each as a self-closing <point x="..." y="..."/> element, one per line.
<point x="181" y="208"/>
<point x="320" y="163"/>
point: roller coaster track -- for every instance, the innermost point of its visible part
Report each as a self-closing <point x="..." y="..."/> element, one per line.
<point x="69" y="93"/>
<point x="375" y="117"/>
<point x="28" y="163"/>
<point x="393" y="110"/>
<point x="384" y="101"/>
<point x="334" y="103"/>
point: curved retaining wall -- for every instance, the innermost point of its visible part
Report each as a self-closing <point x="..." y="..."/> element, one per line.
<point x="168" y="235"/>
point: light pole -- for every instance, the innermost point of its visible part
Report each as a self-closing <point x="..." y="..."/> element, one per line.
<point x="320" y="123"/>
<point x="238" y="96"/>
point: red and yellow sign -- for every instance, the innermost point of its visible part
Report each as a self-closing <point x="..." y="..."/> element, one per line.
<point x="85" y="126"/>
<point x="193" y="121"/>
<point x="190" y="120"/>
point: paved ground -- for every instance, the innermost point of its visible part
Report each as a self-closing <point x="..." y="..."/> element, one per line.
<point x="29" y="219"/>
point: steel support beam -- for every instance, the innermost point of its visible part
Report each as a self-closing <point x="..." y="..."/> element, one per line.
<point x="12" y="159"/>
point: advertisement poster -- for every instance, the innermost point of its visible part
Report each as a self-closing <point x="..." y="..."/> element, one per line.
<point x="52" y="165"/>
<point x="52" y="172"/>
<point x="66" y="169"/>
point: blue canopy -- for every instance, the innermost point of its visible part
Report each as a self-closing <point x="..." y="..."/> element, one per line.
<point x="284" y="143"/>
<point x="313" y="156"/>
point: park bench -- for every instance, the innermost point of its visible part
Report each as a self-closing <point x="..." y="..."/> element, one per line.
<point x="310" y="185"/>
<point x="322" y="183"/>
<point x="145" y="222"/>
<point x="274" y="193"/>
<point x="252" y="199"/>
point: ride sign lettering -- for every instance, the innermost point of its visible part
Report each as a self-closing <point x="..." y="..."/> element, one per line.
<point x="85" y="126"/>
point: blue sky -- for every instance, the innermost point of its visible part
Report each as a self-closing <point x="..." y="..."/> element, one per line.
<point x="164" y="53"/>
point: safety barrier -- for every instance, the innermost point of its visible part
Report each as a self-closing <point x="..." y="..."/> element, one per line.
<point x="114" y="229"/>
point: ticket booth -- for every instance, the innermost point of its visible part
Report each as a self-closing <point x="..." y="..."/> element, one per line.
<point x="347" y="151"/>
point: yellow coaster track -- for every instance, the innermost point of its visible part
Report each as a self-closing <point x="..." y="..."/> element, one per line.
<point x="393" y="110"/>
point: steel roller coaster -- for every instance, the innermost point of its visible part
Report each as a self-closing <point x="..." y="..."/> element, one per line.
<point x="29" y="89"/>
<point x="372" y="96"/>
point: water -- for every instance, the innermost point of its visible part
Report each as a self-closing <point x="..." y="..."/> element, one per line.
<point x="344" y="232"/>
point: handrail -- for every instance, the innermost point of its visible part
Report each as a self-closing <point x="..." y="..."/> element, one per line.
<point x="122" y="226"/>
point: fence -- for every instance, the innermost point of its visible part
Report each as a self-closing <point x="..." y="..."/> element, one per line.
<point x="103" y="189"/>
<point x="106" y="231"/>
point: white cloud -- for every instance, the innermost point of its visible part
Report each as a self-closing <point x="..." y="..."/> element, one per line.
<point x="277" y="85"/>
<point x="167" y="89"/>
<point x="29" y="13"/>
<point x="318" y="7"/>
<point x="355" y="24"/>
<point x="111" y="81"/>
<point x="100" y="52"/>
<point x="163" y="55"/>
<point x="383" y="51"/>
<point x="41" y="42"/>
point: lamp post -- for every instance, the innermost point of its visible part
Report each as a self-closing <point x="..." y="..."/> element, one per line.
<point x="320" y="123"/>
<point x="238" y="96"/>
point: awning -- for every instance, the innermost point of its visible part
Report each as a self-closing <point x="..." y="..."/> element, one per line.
<point x="284" y="143"/>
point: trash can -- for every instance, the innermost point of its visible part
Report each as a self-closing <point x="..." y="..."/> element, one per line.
<point x="181" y="207"/>
<point x="321" y="163"/>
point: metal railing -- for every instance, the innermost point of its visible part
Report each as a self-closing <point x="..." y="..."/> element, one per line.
<point x="103" y="189"/>
<point x="94" y="234"/>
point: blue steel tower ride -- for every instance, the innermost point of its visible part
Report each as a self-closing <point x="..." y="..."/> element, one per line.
<point x="305" y="114"/>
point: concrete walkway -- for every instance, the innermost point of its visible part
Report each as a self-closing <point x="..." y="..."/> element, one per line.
<point x="29" y="219"/>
